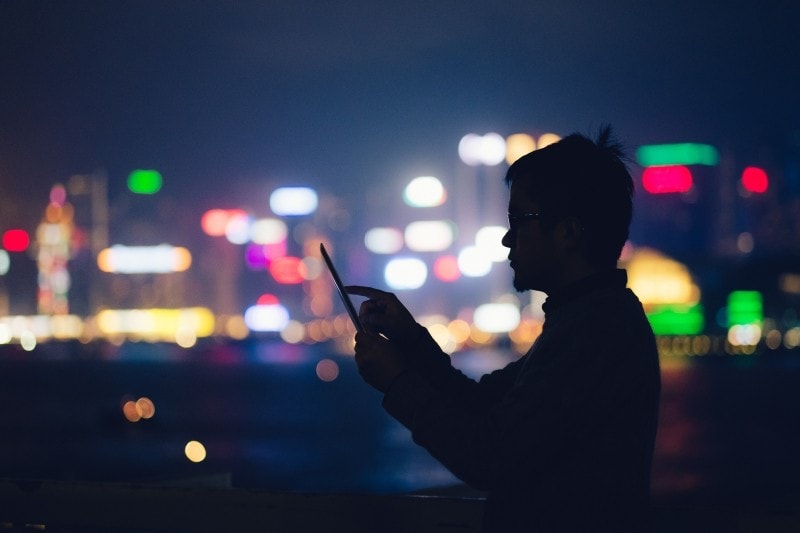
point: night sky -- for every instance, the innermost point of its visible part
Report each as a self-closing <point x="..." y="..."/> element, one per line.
<point x="222" y="96"/>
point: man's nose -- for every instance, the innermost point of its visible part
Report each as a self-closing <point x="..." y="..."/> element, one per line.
<point x="507" y="240"/>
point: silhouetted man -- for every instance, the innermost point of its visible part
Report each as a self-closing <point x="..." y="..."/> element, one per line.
<point x="561" y="439"/>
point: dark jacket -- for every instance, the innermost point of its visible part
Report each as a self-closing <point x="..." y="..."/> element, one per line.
<point x="562" y="439"/>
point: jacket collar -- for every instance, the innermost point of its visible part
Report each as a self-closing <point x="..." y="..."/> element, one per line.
<point x="612" y="278"/>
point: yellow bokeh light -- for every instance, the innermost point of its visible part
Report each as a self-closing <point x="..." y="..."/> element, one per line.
<point x="195" y="451"/>
<point x="547" y="139"/>
<point x="130" y="411"/>
<point x="657" y="279"/>
<point x="517" y="145"/>
<point x="145" y="407"/>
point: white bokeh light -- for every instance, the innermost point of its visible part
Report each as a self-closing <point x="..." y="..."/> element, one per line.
<point x="489" y="240"/>
<point x="496" y="317"/>
<point x="293" y="201"/>
<point x="237" y="230"/>
<point x="473" y="262"/>
<point x="429" y="235"/>
<point x="425" y="191"/>
<point x="405" y="273"/>
<point x="272" y="317"/>
<point x="489" y="149"/>
<point x="384" y="240"/>
<point x="268" y="231"/>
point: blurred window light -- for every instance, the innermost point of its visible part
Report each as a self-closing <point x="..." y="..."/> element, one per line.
<point x="496" y="317"/>
<point x="677" y="319"/>
<point x="310" y="268"/>
<point x="677" y="154"/>
<point x="255" y="257"/>
<point x="156" y="324"/>
<point x="473" y="262"/>
<point x="657" y="279"/>
<point x="275" y="251"/>
<point x="5" y="333"/>
<point x="58" y="195"/>
<point x="287" y="270"/>
<point x="294" y="332"/>
<point x="214" y="221"/>
<point x="144" y="181"/>
<point x="667" y="179"/>
<point x="405" y="273"/>
<point x="517" y="145"/>
<point x="16" y="240"/>
<point x="429" y="235"/>
<point x="424" y="191"/>
<point x="159" y="259"/>
<point x="789" y="283"/>
<point x="489" y="239"/>
<point x="754" y="180"/>
<point x="546" y="139"/>
<point x="264" y="318"/>
<point x="445" y="268"/>
<point x="293" y="201"/>
<point x="744" y="334"/>
<point x="489" y="149"/>
<point x="384" y="240"/>
<point x="237" y="230"/>
<point x="5" y="262"/>
<point x="745" y="307"/>
<point x="268" y="231"/>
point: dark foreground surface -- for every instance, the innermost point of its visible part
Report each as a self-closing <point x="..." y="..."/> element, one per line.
<point x="728" y="436"/>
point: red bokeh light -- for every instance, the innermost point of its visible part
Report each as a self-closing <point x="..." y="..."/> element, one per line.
<point x="755" y="180"/>
<point x="446" y="268"/>
<point x="667" y="179"/>
<point x="287" y="270"/>
<point x="16" y="240"/>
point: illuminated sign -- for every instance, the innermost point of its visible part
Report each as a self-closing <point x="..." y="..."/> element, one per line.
<point x="144" y="259"/>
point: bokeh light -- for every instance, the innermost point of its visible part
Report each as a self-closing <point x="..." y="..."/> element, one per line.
<point x="195" y="451"/>
<point x="473" y="262"/>
<point x="429" y="235"/>
<point x="489" y="240"/>
<point x="293" y="201"/>
<point x="327" y="370"/>
<point x="384" y="240"/>
<point x="16" y="240"/>
<point x="518" y="145"/>
<point x="144" y="181"/>
<point x="755" y="180"/>
<point x="424" y="191"/>
<point x="405" y="273"/>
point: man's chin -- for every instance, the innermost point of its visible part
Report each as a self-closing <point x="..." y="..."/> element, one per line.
<point x="519" y="286"/>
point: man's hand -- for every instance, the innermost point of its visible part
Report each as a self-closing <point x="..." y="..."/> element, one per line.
<point x="384" y="313"/>
<point x="379" y="360"/>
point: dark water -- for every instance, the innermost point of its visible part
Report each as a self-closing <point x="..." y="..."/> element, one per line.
<point x="728" y="435"/>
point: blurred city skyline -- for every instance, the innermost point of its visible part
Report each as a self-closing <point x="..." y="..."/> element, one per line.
<point x="230" y="102"/>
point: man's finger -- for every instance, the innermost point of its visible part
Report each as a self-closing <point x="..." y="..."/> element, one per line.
<point x="369" y="292"/>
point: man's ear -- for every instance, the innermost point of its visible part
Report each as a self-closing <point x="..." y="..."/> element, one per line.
<point x="570" y="232"/>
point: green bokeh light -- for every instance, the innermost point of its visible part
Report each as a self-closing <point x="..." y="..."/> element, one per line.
<point x="677" y="320"/>
<point x="677" y="154"/>
<point x="745" y="307"/>
<point x="144" y="181"/>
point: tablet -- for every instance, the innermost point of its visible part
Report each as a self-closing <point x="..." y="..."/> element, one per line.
<point x="348" y="304"/>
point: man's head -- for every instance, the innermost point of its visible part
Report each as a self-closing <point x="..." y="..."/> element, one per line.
<point x="581" y="194"/>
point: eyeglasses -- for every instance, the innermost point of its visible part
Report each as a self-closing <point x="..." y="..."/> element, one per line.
<point x="514" y="220"/>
